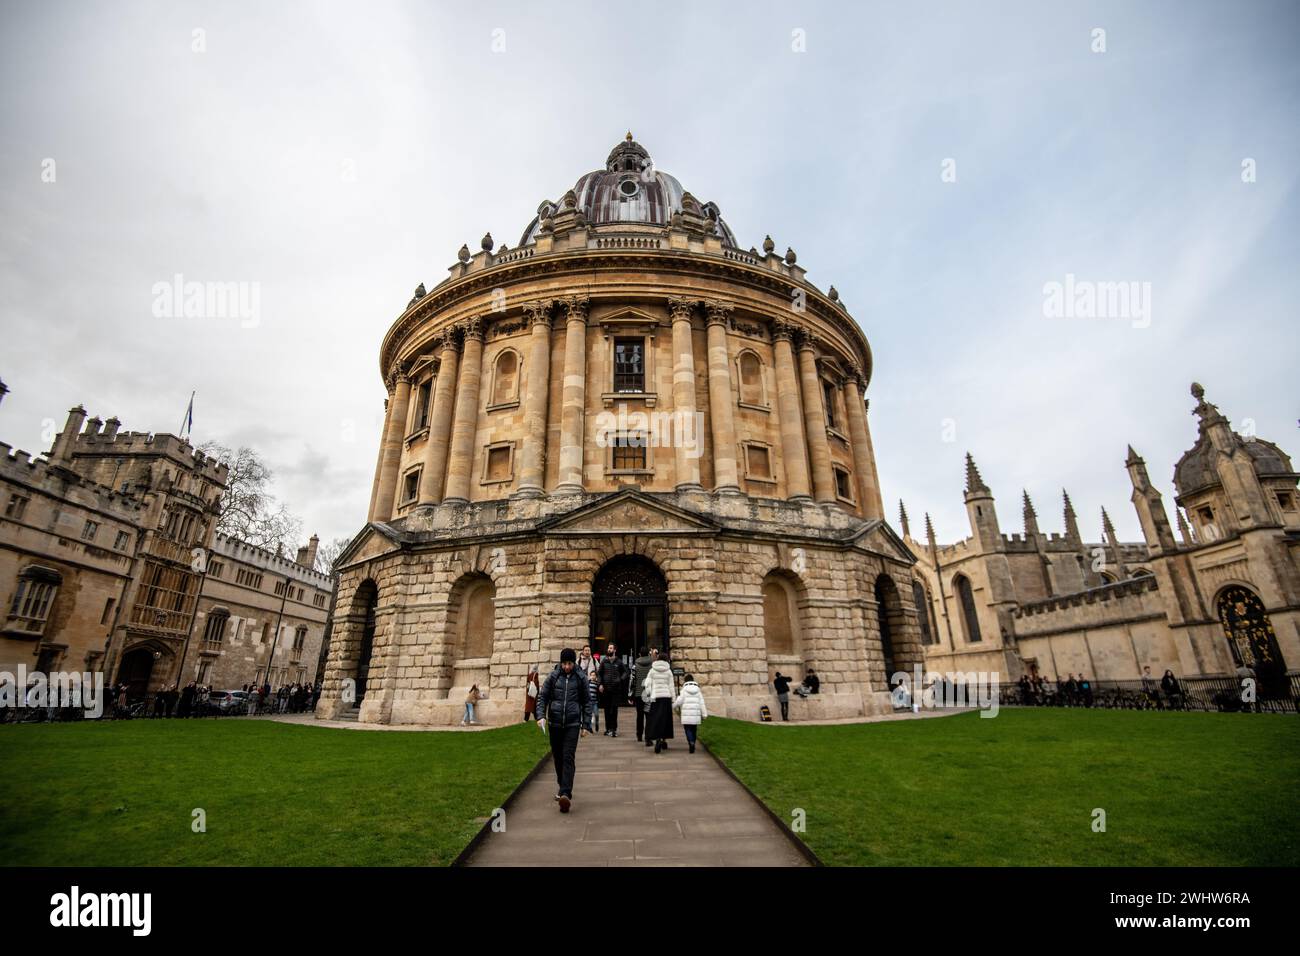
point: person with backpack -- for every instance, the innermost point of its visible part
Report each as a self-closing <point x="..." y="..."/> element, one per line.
<point x="564" y="708"/>
<point x="610" y="676"/>
<point x="690" y="704"/>
<point x="781" y="684"/>
<point x="641" y="667"/>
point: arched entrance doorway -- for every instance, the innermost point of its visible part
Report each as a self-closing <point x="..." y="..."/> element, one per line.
<point x="1251" y="639"/>
<point x="629" y="606"/>
<point x="363" y="614"/>
<point x="136" y="671"/>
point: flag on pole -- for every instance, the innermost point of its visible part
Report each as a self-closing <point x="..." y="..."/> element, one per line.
<point x="188" y="421"/>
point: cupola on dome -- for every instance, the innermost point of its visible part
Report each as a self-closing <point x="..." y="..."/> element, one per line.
<point x="628" y="190"/>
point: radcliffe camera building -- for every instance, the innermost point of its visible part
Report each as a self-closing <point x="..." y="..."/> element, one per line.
<point x="628" y="428"/>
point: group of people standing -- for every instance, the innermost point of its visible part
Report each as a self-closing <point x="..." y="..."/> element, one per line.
<point x="566" y="705"/>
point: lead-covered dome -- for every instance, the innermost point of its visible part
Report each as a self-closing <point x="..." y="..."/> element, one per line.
<point x="629" y="190"/>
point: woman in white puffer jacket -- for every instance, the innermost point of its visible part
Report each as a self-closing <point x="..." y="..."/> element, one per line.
<point x="658" y="692"/>
<point x="690" y="704"/>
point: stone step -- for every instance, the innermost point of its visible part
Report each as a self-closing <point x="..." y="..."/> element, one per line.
<point x="352" y="713"/>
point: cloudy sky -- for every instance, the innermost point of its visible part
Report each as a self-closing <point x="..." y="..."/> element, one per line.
<point x="939" y="163"/>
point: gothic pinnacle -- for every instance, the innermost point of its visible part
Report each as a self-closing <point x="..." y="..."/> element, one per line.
<point x="973" y="480"/>
<point x="902" y="518"/>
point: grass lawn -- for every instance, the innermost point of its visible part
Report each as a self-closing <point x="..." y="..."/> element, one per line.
<point x="1020" y="788"/>
<point x="122" y="793"/>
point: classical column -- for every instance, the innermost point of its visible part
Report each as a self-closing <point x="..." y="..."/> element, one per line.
<point x="460" y="457"/>
<point x="379" y="462"/>
<point x="532" y="473"/>
<point x="574" y="396"/>
<point x="814" y="416"/>
<point x="434" y="476"/>
<point x="725" y="473"/>
<point x="793" y="450"/>
<point x="686" y="443"/>
<point x="864" y="459"/>
<point x="394" y="435"/>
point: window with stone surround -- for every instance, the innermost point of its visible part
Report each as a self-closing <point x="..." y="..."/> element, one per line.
<point x="629" y="364"/>
<point x="33" y="598"/>
<point x="214" y="632"/>
<point x="843" y="484"/>
<point x="498" y="463"/>
<point x="966" y="600"/>
<point x="17" y="505"/>
<point x="411" y="486"/>
<point x="628" y="453"/>
<point x="89" y="531"/>
<point x="757" y="461"/>
<point x="420" y="406"/>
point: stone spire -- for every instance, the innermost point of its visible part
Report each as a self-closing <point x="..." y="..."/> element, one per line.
<point x="1071" y="520"/>
<point x="974" y="482"/>
<point x="929" y="532"/>
<point x="1150" y="506"/>
<point x="1031" y="516"/>
<point x="902" y="519"/>
<point x="1183" y="531"/>
<point x="1108" y="531"/>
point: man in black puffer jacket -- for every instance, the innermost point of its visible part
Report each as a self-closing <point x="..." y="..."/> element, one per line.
<point x="564" y="709"/>
<point x="611" y="675"/>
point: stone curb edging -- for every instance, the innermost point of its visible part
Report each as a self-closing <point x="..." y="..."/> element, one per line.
<point x="804" y="849"/>
<point x="463" y="857"/>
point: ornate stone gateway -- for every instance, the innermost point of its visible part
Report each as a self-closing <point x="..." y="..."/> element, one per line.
<point x="629" y="606"/>
<point x="1251" y="638"/>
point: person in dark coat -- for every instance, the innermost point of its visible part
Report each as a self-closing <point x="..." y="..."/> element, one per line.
<point x="187" y="700"/>
<point x="781" y="684"/>
<point x="610" y="676"/>
<point x="564" y="708"/>
<point x="636" y="684"/>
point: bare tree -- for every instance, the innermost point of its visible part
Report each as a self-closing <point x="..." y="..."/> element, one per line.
<point x="328" y="553"/>
<point x="248" y="509"/>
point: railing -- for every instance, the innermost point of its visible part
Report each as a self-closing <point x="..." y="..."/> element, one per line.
<point x="1223" y="694"/>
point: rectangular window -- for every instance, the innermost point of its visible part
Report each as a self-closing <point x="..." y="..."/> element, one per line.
<point x="108" y="611"/>
<point x="843" y="486"/>
<point x="498" y="464"/>
<point x="758" y="462"/>
<point x="123" y="539"/>
<point x="266" y="631"/>
<point x="420" y="413"/>
<point x="216" y="569"/>
<point x="629" y="452"/>
<point x="17" y="505"/>
<point x="411" y="486"/>
<point x="279" y="589"/>
<point x="1286" y="501"/>
<point x="629" y="365"/>
<point x="89" y="531"/>
<point x="318" y="600"/>
<point x="31" y="605"/>
<point x="828" y="396"/>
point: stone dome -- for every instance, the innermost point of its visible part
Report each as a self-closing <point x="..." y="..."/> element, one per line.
<point x="629" y="190"/>
<point x="1195" y="469"/>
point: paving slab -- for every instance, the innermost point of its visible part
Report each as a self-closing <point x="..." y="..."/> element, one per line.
<point x="633" y="807"/>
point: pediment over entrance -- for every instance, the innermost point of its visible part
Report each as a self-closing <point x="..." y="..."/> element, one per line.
<point x="373" y="541"/>
<point x="630" y="511"/>
<point x="876" y="536"/>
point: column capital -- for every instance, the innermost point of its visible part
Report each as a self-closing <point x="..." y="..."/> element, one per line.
<point x="785" y="329"/>
<point x="472" y="328"/>
<point x="446" y="339"/>
<point x="680" y="308"/>
<point x="805" y="339"/>
<point x="539" y="311"/>
<point x="719" y="312"/>
<point x="854" y="375"/>
<point x="576" y="307"/>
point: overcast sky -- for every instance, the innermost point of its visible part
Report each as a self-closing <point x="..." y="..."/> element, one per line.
<point x="336" y="155"/>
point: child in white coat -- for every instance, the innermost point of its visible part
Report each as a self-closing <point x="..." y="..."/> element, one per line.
<point x="690" y="704"/>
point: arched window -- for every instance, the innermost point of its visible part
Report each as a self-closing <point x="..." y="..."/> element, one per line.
<point x="1252" y="640"/>
<point x="965" y="597"/>
<point x="750" y="375"/>
<point x="362" y="616"/>
<point x="33" y="599"/>
<point x="922" y="602"/>
<point x="505" y="378"/>
<point x="477" y="620"/>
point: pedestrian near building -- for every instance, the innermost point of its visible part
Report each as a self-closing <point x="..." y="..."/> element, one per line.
<point x="471" y="699"/>
<point x="781" y="684"/>
<point x="611" y="674"/>
<point x="588" y="664"/>
<point x="564" y="707"/>
<point x="658" y="692"/>
<point x="690" y="704"/>
<point x="641" y="668"/>
<point x="531" y="686"/>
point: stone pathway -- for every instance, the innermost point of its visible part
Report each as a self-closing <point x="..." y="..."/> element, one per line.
<point x="633" y="807"/>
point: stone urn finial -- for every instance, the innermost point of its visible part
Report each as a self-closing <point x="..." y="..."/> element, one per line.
<point x="768" y="244"/>
<point x="486" y="242"/>
<point x="463" y="255"/>
<point x="834" y="294"/>
<point x="790" y="257"/>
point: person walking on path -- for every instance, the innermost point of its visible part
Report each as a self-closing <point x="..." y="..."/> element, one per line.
<point x="641" y="668"/>
<point x="564" y="708"/>
<point x="690" y="704"/>
<point x="781" y="684"/>
<point x="588" y="665"/>
<point x="470" y="700"/>
<point x="530" y="693"/>
<point x="658" y="693"/>
<point x="610" y="676"/>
